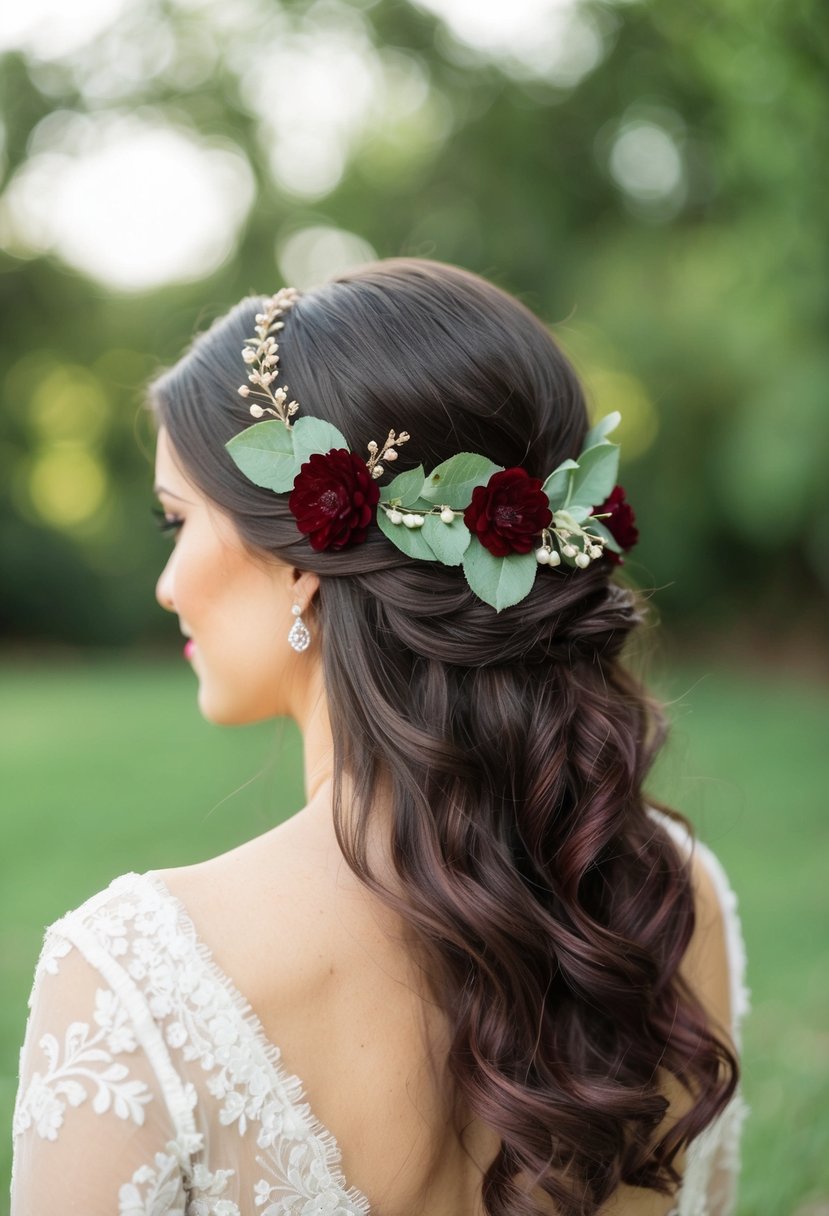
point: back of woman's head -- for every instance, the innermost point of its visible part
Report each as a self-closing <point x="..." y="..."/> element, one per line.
<point x="413" y="344"/>
<point x="550" y="909"/>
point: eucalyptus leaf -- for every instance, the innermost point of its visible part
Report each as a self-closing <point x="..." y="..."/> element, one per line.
<point x="315" y="435"/>
<point x="448" y="541"/>
<point x="410" y="541"/>
<point x="603" y="427"/>
<point x="265" y="454"/>
<point x="452" y="482"/>
<point x="405" y="487"/>
<point x="578" y="514"/>
<point x="499" y="581"/>
<point x="558" y="483"/>
<point x="595" y="477"/>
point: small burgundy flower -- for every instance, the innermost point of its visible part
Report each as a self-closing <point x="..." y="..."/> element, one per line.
<point x="508" y="512"/>
<point x="333" y="499"/>
<point x="621" y="523"/>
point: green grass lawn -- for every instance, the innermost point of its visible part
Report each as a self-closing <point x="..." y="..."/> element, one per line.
<point x="107" y="767"/>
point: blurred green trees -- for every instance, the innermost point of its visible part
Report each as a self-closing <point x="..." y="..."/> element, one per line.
<point x="647" y="177"/>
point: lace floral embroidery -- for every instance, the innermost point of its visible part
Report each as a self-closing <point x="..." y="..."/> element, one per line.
<point x="160" y="1189"/>
<point x="87" y="1062"/>
<point x="206" y="1022"/>
<point x="55" y="947"/>
<point x="202" y="1016"/>
<point x="155" y="1190"/>
<point x="310" y="1196"/>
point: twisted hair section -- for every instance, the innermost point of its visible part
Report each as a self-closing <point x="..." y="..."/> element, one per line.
<point x="550" y="910"/>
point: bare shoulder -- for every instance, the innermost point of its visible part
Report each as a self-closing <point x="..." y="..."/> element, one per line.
<point x="324" y="966"/>
<point x="705" y="966"/>
<point x="282" y="914"/>
<point x="706" y="962"/>
<point x="254" y="902"/>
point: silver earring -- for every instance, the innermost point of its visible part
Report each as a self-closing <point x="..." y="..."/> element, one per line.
<point x="299" y="637"/>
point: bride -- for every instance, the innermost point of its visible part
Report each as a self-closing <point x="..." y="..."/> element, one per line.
<point x="480" y="972"/>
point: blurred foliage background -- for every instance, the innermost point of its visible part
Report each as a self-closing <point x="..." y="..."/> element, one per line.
<point x="649" y="177"/>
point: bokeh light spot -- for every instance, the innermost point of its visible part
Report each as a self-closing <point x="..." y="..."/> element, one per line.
<point x="69" y="403"/>
<point x="645" y="161"/>
<point x="129" y="201"/>
<point x="619" y="391"/>
<point x="307" y="126"/>
<point x="52" y="28"/>
<point x="312" y="255"/>
<point x="559" y="41"/>
<point x="67" y="485"/>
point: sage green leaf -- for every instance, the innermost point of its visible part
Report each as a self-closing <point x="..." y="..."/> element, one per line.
<point x="405" y="488"/>
<point x="558" y="483"/>
<point x="265" y="454"/>
<point x="602" y="428"/>
<point x="595" y="476"/>
<point x="315" y="435"/>
<point x="448" y="541"/>
<point x="499" y="581"/>
<point x="600" y="529"/>
<point x="410" y="541"/>
<point x="576" y="514"/>
<point x="452" y="482"/>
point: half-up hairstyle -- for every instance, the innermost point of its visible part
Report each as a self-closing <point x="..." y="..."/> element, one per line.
<point x="550" y="909"/>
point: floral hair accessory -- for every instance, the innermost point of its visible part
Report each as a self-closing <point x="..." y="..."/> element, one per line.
<point x="333" y="499"/>
<point x="619" y="521"/>
<point x="500" y="525"/>
<point x="508" y="512"/>
<point x="260" y="354"/>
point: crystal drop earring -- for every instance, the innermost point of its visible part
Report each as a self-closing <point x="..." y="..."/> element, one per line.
<point x="299" y="637"/>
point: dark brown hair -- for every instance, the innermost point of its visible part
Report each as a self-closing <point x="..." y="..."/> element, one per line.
<point x="551" y="910"/>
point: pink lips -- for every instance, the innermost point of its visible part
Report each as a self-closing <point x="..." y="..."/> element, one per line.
<point x="189" y="649"/>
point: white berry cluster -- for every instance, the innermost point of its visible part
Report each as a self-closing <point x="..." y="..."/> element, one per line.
<point x="260" y="353"/>
<point x="588" y="546"/>
<point x="412" y="519"/>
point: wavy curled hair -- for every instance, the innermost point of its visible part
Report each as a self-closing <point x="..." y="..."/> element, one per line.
<point x="551" y="911"/>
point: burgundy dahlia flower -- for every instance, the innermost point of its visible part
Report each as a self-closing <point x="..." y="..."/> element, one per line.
<point x="621" y="522"/>
<point x="508" y="512"/>
<point x="333" y="499"/>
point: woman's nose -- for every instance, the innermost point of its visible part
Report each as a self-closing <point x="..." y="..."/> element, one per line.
<point x="164" y="589"/>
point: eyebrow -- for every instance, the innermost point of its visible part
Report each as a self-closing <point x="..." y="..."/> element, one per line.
<point x="169" y="494"/>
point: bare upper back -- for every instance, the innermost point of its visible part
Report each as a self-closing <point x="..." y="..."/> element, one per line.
<point x="326" y="967"/>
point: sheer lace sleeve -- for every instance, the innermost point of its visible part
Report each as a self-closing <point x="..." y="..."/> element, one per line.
<point x="102" y="1123"/>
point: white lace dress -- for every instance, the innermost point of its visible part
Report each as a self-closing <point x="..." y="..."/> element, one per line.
<point x="148" y="1086"/>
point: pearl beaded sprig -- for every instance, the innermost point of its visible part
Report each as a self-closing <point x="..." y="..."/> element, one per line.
<point x="260" y="353"/>
<point x="388" y="452"/>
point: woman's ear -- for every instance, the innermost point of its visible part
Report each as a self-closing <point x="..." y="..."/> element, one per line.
<point x="304" y="587"/>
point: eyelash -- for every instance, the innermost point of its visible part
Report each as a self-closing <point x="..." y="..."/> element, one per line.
<point x="165" y="522"/>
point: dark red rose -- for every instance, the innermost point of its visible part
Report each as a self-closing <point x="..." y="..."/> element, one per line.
<point x="333" y="499"/>
<point x="508" y="512"/>
<point x="621" y="522"/>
